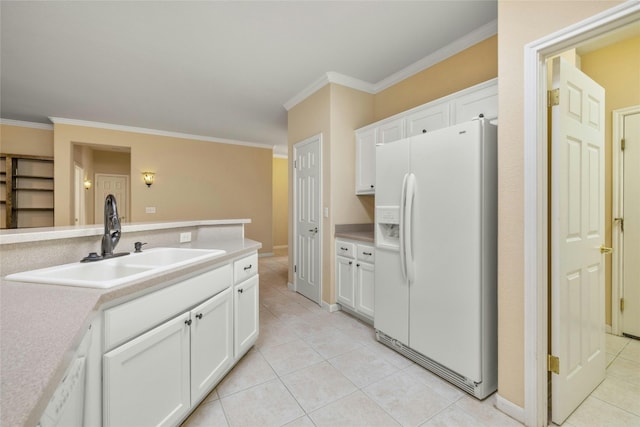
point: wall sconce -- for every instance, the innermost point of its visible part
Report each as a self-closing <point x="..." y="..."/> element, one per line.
<point x="148" y="178"/>
<point x="87" y="184"/>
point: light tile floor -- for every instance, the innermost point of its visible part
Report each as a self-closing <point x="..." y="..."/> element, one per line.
<point x="314" y="368"/>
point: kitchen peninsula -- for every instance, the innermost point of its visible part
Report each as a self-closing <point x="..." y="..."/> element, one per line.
<point x="44" y="327"/>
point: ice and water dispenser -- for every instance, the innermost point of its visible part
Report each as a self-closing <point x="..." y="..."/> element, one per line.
<point x="388" y="227"/>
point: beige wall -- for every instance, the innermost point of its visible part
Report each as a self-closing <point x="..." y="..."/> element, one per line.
<point x="474" y="65"/>
<point x="280" y="202"/>
<point x="194" y="179"/>
<point x="519" y="23"/>
<point x="27" y="141"/>
<point x="617" y="69"/>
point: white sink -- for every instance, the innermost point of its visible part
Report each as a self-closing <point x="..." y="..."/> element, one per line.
<point x="117" y="271"/>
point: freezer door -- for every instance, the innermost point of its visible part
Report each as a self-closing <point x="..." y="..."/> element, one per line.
<point x="391" y="290"/>
<point x="445" y="303"/>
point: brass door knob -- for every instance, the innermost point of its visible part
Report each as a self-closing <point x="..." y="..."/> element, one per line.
<point x="605" y="250"/>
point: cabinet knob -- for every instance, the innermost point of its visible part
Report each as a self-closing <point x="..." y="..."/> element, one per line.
<point x="350" y="262"/>
<point x="367" y="253"/>
<point x="424" y="131"/>
<point x="358" y="265"/>
<point x="372" y="185"/>
<point x="187" y="322"/>
<point x="240" y="290"/>
<point x="247" y="267"/>
<point x="342" y="248"/>
<point x="199" y="315"/>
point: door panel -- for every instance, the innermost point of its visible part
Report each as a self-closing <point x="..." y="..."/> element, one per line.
<point x="118" y="185"/>
<point x="307" y="217"/>
<point x="577" y="227"/>
<point x="631" y="214"/>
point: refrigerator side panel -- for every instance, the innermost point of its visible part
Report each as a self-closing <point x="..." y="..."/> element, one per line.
<point x="445" y="308"/>
<point x="490" y="259"/>
<point x="391" y="303"/>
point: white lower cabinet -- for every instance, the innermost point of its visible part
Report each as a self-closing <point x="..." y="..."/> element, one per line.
<point x="157" y="377"/>
<point x="354" y="277"/>
<point x="211" y="343"/>
<point x="246" y="318"/>
<point x="146" y="381"/>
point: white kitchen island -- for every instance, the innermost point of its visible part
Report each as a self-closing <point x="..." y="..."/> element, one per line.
<point x="42" y="326"/>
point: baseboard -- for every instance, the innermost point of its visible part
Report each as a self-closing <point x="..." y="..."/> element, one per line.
<point x="291" y="287"/>
<point x="607" y="329"/>
<point x="330" y="307"/>
<point x="510" y="408"/>
<point x="262" y="254"/>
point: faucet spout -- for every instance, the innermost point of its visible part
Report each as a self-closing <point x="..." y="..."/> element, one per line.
<point x="112" y="228"/>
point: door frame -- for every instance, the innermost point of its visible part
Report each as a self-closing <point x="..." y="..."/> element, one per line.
<point x="617" y="125"/>
<point x="79" y="199"/>
<point x="312" y="139"/>
<point x="536" y="173"/>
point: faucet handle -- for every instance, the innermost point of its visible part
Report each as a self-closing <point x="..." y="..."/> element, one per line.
<point x="138" y="246"/>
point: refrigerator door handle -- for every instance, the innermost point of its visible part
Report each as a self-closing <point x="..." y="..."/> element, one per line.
<point x="408" y="226"/>
<point x="403" y="201"/>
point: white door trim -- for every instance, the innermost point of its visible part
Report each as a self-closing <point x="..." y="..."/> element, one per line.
<point x="535" y="195"/>
<point x="617" y="125"/>
<point x="317" y="137"/>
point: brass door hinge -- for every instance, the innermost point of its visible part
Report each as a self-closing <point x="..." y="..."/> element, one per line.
<point x="553" y="364"/>
<point x="623" y="144"/>
<point x="553" y="97"/>
<point x="621" y="304"/>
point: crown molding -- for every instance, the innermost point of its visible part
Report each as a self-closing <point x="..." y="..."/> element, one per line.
<point x="32" y="125"/>
<point x="123" y="128"/>
<point x="476" y="36"/>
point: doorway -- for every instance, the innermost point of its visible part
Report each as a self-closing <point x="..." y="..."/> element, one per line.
<point x="118" y="185"/>
<point x="307" y="205"/>
<point x="625" y="289"/>
<point x="536" y="195"/>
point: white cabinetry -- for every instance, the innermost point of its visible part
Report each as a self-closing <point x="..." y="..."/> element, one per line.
<point x="245" y="302"/>
<point x="354" y="277"/>
<point x="365" y="161"/>
<point x="146" y="381"/>
<point x="166" y="350"/>
<point x="456" y="108"/>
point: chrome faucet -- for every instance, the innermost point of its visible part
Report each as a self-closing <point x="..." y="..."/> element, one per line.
<point x="112" y="229"/>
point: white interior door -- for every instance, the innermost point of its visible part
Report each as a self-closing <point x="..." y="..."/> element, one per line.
<point x="307" y="206"/>
<point x="79" y="199"/>
<point x="118" y="185"/>
<point x="631" y="215"/>
<point x="577" y="227"/>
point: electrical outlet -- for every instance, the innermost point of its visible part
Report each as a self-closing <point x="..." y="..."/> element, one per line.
<point x="150" y="209"/>
<point x="185" y="237"/>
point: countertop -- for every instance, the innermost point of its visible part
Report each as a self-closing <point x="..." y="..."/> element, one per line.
<point x="42" y="325"/>
<point x="362" y="236"/>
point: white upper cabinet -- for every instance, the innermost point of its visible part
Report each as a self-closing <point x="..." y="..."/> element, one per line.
<point x="456" y="108"/>
<point x="365" y="161"/>
<point x="470" y="106"/>
<point x="428" y="119"/>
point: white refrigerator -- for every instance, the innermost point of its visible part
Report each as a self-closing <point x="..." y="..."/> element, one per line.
<point x="436" y="252"/>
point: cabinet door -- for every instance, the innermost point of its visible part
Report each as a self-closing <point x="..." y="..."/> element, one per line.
<point x="366" y="161"/>
<point x="428" y="119"/>
<point x="211" y="342"/>
<point x="483" y="101"/>
<point x="345" y="278"/>
<point x="146" y="380"/>
<point x="365" y="288"/>
<point x="245" y="315"/>
<point x="390" y="131"/>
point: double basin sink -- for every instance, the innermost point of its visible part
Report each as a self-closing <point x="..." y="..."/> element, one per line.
<point x="118" y="271"/>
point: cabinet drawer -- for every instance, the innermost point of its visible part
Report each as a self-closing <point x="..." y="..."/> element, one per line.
<point x="245" y="268"/>
<point x="345" y="249"/>
<point x="366" y="253"/>
<point x="128" y="320"/>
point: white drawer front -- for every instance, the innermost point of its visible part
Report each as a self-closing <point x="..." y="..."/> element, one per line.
<point x="366" y="253"/>
<point x="245" y="268"/>
<point x="128" y="320"/>
<point x="345" y="249"/>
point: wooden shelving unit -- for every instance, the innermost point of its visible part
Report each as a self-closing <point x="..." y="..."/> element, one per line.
<point x="27" y="191"/>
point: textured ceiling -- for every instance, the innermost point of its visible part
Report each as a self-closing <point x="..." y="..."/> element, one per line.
<point x="214" y="69"/>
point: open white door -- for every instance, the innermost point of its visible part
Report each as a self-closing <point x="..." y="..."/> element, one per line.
<point x="577" y="234"/>
<point x="307" y="213"/>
